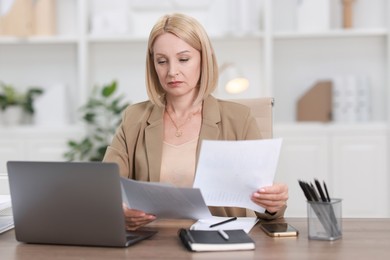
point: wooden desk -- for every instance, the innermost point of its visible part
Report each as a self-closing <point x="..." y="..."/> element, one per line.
<point x="362" y="239"/>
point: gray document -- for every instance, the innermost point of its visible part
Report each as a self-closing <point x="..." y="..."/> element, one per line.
<point x="165" y="201"/>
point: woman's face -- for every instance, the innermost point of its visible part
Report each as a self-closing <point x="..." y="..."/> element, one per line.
<point x="177" y="65"/>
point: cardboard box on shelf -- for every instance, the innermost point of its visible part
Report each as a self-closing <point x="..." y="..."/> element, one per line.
<point x="23" y="18"/>
<point x="316" y="103"/>
<point x="16" y="18"/>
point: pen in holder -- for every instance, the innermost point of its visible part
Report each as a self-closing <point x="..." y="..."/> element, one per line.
<point x="323" y="214"/>
<point x="324" y="219"/>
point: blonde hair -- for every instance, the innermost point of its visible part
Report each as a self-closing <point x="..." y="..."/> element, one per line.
<point x="192" y="32"/>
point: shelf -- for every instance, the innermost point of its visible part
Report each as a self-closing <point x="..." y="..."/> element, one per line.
<point x="39" y="129"/>
<point x="130" y="38"/>
<point x="115" y="39"/>
<point x="238" y="37"/>
<point x="38" y="40"/>
<point x="252" y="36"/>
<point x="332" y="34"/>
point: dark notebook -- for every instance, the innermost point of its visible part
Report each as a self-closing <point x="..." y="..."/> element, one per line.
<point x="212" y="240"/>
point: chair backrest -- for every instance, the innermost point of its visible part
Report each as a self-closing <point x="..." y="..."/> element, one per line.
<point x="262" y="110"/>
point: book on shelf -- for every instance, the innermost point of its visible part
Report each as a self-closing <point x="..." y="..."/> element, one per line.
<point x="216" y="240"/>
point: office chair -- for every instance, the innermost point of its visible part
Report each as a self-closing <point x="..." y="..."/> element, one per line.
<point x="262" y="110"/>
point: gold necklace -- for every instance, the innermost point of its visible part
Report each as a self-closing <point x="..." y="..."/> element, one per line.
<point x="179" y="132"/>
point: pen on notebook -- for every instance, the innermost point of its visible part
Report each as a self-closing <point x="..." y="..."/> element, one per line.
<point x="223" y="234"/>
<point x="223" y="222"/>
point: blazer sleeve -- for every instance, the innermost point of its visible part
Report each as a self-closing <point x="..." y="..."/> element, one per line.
<point x="117" y="150"/>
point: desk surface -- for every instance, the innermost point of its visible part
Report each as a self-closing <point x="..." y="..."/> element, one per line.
<point x="362" y="239"/>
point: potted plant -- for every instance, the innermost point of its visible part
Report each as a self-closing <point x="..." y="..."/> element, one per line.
<point x="102" y="115"/>
<point x="15" y="104"/>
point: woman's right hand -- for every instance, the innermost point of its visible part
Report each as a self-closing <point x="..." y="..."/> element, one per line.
<point x="135" y="218"/>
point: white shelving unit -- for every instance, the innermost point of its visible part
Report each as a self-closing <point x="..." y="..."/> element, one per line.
<point x="340" y="153"/>
<point x="278" y="60"/>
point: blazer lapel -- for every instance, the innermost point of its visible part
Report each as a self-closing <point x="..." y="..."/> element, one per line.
<point x="153" y="141"/>
<point x="211" y="118"/>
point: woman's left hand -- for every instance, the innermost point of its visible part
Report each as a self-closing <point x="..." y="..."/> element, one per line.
<point x="272" y="198"/>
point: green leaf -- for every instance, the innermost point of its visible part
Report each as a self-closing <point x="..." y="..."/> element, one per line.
<point x="101" y="114"/>
<point x="109" y="89"/>
<point x="89" y="117"/>
<point x="10" y="96"/>
<point x="72" y="143"/>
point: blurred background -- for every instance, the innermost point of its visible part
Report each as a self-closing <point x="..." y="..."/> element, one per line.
<point x="68" y="67"/>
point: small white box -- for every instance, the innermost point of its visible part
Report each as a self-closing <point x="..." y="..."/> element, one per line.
<point x="110" y="22"/>
<point x="51" y="109"/>
<point x="313" y="15"/>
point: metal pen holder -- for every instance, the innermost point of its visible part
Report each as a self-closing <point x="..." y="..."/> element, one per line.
<point x="324" y="219"/>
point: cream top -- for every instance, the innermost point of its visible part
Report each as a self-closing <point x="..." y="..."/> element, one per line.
<point x="178" y="163"/>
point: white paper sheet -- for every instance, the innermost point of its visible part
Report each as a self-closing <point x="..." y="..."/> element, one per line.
<point x="165" y="201"/>
<point x="229" y="172"/>
<point x="6" y="218"/>
<point x="5" y="202"/>
<point x="245" y="223"/>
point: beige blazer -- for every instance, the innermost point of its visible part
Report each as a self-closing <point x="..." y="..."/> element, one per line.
<point x="137" y="144"/>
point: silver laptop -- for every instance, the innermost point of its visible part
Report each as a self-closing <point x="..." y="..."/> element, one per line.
<point x="69" y="203"/>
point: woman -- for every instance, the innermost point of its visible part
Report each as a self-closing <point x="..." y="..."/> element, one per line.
<point x="159" y="140"/>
